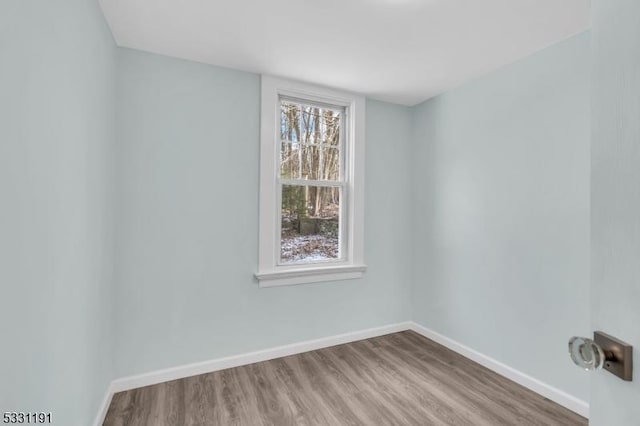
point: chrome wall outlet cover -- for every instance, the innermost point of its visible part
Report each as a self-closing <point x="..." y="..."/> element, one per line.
<point x="618" y="355"/>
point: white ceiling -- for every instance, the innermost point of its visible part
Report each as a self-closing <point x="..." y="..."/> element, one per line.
<point x="402" y="51"/>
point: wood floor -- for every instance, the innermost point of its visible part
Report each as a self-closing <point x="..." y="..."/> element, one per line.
<point x="398" y="379"/>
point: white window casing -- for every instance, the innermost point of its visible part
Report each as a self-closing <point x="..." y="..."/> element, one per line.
<point x="271" y="272"/>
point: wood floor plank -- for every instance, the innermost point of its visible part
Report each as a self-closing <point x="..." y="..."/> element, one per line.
<point x="419" y="400"/>
<point x="397" y="379"/>
<point x="529" y="407"/>
<point x="474" y="407"/>
<point x="448" y="407"/>
<point x="303" y="401"/>
<point x="383" y="390"/>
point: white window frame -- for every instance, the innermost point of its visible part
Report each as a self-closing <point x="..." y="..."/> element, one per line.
<point x="271" y="272"/>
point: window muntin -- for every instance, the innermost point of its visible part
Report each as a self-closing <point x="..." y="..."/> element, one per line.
<point x="311" y="183"/>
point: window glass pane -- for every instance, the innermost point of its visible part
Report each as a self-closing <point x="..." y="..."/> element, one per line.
<point x="290" y="165"/>
<point x="330" y="164"/>
<point x="320" y="125"/>
<point x="310" y="141"/>
<point x="331" y="127"/>
<point x="308" y="124"/>
<point x="310" y="158"/>
<point x="320" y="162"/>
<point x="289" y="121"/>
<point x="310" y="224"/>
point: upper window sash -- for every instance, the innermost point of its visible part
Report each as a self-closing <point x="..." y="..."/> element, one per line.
<point x="294" y="137"/>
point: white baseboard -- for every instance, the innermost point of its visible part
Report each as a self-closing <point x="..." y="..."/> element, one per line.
<point x="180" y="372"/>
<point x="174" y="373"/>
<point x="556" y="395"/>
<point x="104" y="407"/>
<point x="189" y="370"/>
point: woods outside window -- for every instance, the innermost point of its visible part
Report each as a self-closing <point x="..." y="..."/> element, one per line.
<point x="311" y="184"/>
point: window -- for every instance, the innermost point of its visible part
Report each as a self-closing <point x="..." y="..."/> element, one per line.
<point x="311" y="184"/>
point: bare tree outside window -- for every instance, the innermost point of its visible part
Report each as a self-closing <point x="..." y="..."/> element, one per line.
<point x="310" y="176"/>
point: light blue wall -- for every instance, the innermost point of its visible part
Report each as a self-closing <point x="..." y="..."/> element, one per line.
<point x="615" y="201"/>
<point x="501" y="213"/>
<point x="188" y="215"/>
<point x="57" y="121"/>
<point x="478" y="196"/>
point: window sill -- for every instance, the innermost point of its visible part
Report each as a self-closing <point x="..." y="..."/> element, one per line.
<point x="310" y="275"/>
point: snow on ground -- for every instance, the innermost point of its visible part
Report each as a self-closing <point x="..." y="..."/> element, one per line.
<point x="308" y="248"/>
